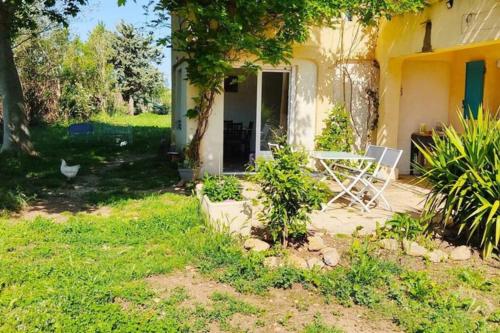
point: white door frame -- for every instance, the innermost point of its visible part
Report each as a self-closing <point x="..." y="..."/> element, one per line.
<point x="291" y="98"/>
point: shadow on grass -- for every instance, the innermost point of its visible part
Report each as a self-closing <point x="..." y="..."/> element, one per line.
<point x="109" y="172"/>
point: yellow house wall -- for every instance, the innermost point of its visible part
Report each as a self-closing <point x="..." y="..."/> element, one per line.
<point x="473" y="23"/>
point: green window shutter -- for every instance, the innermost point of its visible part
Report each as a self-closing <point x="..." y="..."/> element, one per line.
<point x="474" y="87"/>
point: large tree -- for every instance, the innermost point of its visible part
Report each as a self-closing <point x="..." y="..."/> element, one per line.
<point x="214" y="34"/>
<point x="134" y="58"/>
<point x="16" y="16"/>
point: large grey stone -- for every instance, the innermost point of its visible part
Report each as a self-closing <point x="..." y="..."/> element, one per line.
<point x="296" y="261"/>
<point x="327" y="249"/>
<point x="390" y="244"/>
<point x="255" y="244"/>
<point x="414" y="249"/>
<point x="315" y="262"/>
<point x="461" y="253"/>
<point x="331" y="257"/>
<point x="316" y="243"/>
<point x="437" y="256"/>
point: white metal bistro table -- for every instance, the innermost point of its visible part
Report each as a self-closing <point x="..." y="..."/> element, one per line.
<point x="324" y="156"/>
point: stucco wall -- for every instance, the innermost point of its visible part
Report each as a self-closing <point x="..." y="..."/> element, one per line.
<point x="473" y="23"/>
<point x="424" y="99"/>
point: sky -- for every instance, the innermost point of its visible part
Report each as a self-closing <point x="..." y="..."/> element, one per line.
<point x="108" y="12"/>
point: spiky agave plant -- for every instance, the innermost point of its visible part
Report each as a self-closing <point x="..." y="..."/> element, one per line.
<point x="464" y="171"/>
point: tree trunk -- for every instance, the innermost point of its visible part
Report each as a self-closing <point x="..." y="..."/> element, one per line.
<point x="205" y="106"/>
<point x="16" y="136"/>
<point x="131" y="110"/>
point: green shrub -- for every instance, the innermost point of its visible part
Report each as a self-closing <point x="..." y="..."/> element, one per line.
<point x="358" y="283"/>
<point x="12" y="200"/>
<point x="288" y="193"/>
<point x="221" y="188"/>
<point x="463" y="170"/>
<point x="337" y="134"/>
<point x="404" y="226"/>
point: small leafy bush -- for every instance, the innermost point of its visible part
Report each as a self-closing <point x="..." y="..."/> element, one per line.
<point x="221" y="188"/>
<point x="12" y="200"/>
<point x="289" y="192"/>
<point x="404" y="226"/>
<point x="463" y="170"/>
<point x="337" y="134"/>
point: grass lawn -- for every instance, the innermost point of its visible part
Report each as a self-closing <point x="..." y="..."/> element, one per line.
<point x="134" y="255"/>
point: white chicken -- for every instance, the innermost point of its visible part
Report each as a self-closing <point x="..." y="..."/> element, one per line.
<point x="69" y="171"/>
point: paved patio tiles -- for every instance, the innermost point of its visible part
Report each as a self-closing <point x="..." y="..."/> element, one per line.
<point x="404" y="195"/>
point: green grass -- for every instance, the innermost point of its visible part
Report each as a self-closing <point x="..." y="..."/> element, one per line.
<point x="25" y="178"/>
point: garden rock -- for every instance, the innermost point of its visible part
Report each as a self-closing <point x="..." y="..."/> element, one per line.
<point x="438" y="256"/>
<point x="414" y="249"/>
<point x="331" y="257"/>
<point x="461" y="253"/>
<point x="316" y="243"/>
<point x="272" y="262"/>
<point x="315" y="262"/>
<point x="327" y="249"/>
<point x="389" y="244"/>
<point x="296" y="261"/>
<point x="255" y="244"/>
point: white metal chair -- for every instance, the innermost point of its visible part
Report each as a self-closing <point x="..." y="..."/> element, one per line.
<point x="385" y="161"/>
<point x="354" y="175"/>
<point x="384" y="173"/>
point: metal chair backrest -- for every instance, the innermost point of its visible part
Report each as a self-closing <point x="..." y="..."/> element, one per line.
<point x="390" y="161"/>
<point x="377" y="153"/>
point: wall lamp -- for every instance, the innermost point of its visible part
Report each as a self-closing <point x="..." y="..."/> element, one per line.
<point x="449" y="4"/>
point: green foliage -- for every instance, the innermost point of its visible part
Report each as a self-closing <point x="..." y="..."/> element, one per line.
<point x="133" y="59"/>
<point x="288" y="192"/>
<point x="474" y="279"/>
<point x="12" y="200"/>
<point x="29" y="14"/>
<point x="337" y="135"/>
<point x="67" y="78"/>
<point x="463" y="170"/>
<point x="221" y="188"/>
<point x="403" y="226"/>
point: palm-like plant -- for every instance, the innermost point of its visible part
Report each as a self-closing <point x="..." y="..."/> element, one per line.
<point x="464" y="171"/>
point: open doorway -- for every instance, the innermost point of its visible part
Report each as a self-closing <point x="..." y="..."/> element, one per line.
<point x="240" y="107"/>
<point x="255" y="109"/>
<point x="274" y="107"/>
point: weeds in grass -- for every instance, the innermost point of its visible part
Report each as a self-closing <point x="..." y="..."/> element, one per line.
<point x="404" y="226"/>
<point x="318" y="326"/>
<point x="474" y="279"/>
<point x="358" y="283"/>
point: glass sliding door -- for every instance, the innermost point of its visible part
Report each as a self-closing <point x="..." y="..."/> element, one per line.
<point x="272" y="108"/>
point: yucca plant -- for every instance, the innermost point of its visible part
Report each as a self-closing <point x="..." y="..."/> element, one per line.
<point x="464" y="171"/>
